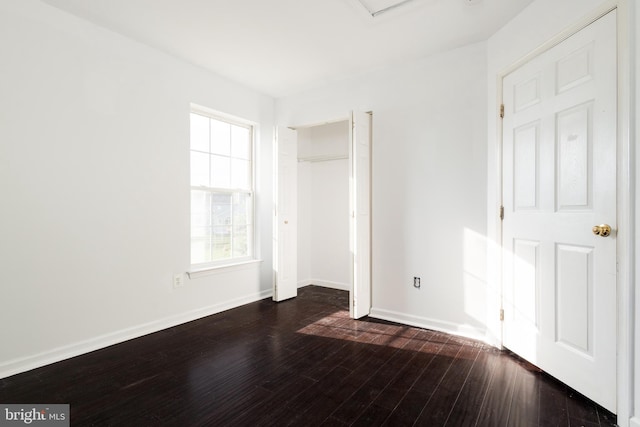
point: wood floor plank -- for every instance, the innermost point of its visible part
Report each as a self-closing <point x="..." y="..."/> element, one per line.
<point x="430" y="378"/>
<point x="466" y="410"/>
<point x="498" y="398"/>
<point x="579" y="413"/>
<point x="525" y="406"/>
<point x="358" y="402"/>
<point x="373" y="416"/>
<point x="302" y="362"/>
<point x="321" y="401"/>
<point x="391" y="396"/>
<point x="408" y="410"/>
<point x="437" y="410"/>
<point x="553" y="403"/>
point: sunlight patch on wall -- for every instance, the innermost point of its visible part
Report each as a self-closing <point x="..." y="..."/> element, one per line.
<point x="475" y="275"/>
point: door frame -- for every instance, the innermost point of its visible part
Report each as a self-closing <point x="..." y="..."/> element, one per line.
<point x="348" y="118"/>
<point x="624" y="190"/>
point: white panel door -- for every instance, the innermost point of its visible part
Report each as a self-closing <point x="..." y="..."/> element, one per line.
<point x="360" y="194"/>
<point x="559" y="180"/>
<point x="285" y="284"/>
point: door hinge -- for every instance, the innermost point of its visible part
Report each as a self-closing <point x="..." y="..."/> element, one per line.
<point x="501" y="213"/>
<point x="502" y="111"/>
<point x="502" y="314"/>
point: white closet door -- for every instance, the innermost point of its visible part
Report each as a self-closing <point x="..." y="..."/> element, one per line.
<point x="285" y="230"/>
<point x="360" y="160"/>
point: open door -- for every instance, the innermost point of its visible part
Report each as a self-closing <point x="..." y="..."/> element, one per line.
<point x="559" y="226"/>
<point x="360" y="203"/>
<point x="285" y="260"/>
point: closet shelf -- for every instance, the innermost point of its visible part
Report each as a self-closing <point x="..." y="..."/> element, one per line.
<point x="314" y="159"/>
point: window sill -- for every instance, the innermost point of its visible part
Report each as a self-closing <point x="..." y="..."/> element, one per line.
<point x="226" y="268"/>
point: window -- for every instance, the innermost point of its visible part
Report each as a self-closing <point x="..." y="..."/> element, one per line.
<point x="221" y="190"/>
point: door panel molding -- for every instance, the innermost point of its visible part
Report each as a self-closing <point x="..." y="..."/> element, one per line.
<point x="626" y="302"/>
<point x="554" y="85"/>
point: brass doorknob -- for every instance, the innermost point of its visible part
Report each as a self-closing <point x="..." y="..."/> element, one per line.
<point x="602" y="230"/>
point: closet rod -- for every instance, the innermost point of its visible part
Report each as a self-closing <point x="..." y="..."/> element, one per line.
<point x="315" y="159"/>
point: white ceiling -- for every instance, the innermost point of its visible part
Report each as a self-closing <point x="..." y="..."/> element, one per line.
<point x="281" y="47"/>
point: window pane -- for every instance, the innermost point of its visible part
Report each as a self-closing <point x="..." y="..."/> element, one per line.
<point x="200" y="232"/>
<point x="221" y="209"/>
<point x="200" y="208"/>
<point x="221" y="243"/>
<point x="220" y="171"/>
<point x="199" y="132"/>
<point x="199" y="169"/>
<point x="200" y="250"/>
<point x="240" y="174"/>
<point x="221" y="158"/>
<point x="240" y="142"/>
<point x="242" y="209"/>
<point x="200" y="245"/>
<point x="220" y="137"/>
<point x="241" y="241"/>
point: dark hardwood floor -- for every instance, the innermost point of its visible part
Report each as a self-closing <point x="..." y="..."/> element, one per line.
<point x="302" y="362"/>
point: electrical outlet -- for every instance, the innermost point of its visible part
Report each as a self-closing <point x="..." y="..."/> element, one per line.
<point x="416" y="282"/>
<point x="178" y="281"/>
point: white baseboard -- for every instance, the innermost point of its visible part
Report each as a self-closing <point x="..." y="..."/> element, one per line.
<point x="24" y="364"/>
<point x="465" y="331"/>
<point x="633" y="422"/>
<point x="329" y="284"/>
<point x="303" y="283"/>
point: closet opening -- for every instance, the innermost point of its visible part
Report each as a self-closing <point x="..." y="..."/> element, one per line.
<point x="324" y="253"/>
<point x="322" y="209"/>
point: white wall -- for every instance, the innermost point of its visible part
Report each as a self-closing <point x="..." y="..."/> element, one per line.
<point x="94" y="177"/>
<point x="323" y="212"/>
<point x="429" y="185"/>
<point x="540" y="22"/>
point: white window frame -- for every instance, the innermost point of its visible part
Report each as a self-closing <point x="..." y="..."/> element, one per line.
<point x="251" y="238"/>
